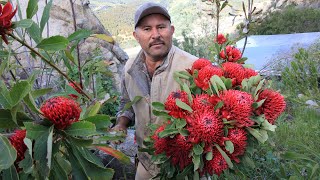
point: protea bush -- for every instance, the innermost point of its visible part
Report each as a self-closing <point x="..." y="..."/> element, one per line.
<point x="49" y="130"/>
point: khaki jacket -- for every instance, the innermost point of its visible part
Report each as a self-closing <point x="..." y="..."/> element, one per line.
<point x="161" y="86"/>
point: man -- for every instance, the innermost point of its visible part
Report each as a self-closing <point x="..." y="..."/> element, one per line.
<point x="150" y="76"/>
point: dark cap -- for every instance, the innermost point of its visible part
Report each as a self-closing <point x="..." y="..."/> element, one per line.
<point x="147" y="9"/>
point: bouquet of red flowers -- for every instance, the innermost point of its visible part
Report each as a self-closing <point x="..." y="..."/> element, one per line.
<point x="208" y="123"/>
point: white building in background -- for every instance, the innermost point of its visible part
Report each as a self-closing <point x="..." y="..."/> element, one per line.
<point x="262" y="49"/>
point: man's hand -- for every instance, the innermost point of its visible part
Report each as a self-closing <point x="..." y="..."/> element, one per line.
<point x="122" y="126"/>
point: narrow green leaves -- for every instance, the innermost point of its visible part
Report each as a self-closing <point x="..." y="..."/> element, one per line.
<point x="24" y="23"/>
<point x="183" y="105"/>
<point x="79" y="35"/>
<point x="45" y="15"/>
<point x="8" y="154"/>
<point x="54" y="43"/>
<point x="82" y="128"/>
<point x="32" y="8"/>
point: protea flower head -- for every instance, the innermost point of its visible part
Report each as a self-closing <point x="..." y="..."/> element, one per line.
<point x="205" y="125"/>
<point x="199" y="64"/>
<point x="61" y="111"/>
<point x="238" y="136"/>
<point x="205" y="74"/>
<point x="179" y="150"/>
<point x="273" y="106"/>
<point x="216" y="165"/>
<point x="17" y="142"/>
<point x="233" y="54"/>
<point x="220" y="39"/>
<point x="160" y="144"/>
<point x="202" y="101"/>
<point x="234" y="71"/>
<point x="6" y="14"/>
<point x="171" y="106"/>
<point x="237" y="106"/>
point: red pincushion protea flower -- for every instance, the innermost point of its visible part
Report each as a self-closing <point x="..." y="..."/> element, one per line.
<point x="17" y="142"/>
<point x="233" y="54"/>
<point x="203" y="101"/>
<point x="61" y="111"/>
<point x="216" y="165"/>
<point x="237" y="106"/>
<point x="179" y="150"/>
<point x="249" y="73"/>
<point x="72" y="84"/>
<point x="220" y="39"/>
<point x="171" y="106"/>
<point x="273" y="106"/>
<point x="238" y="137"/>
<point x="199" y="64"/>
<point x="234" y="71"/>
<point x="205" y="125"/>
<point x="160" y="144"/>
<point x="5" y="20"/>
<point x="205" y="74"/>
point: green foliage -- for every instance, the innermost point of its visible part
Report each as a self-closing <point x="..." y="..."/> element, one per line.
<point x="290" y="20"/>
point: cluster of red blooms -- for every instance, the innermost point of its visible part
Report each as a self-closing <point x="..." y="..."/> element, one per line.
<point x="213" y="126"/>
<point x="6" y="14"/>
<point x="17" y="142"/>
<point x="61" y="111"/>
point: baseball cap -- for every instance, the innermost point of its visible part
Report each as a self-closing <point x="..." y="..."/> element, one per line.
<point x="147" y="9"/>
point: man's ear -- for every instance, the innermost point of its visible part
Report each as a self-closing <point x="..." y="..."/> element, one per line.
<point x="172" y="28"/>
<point x="135" y="35"/>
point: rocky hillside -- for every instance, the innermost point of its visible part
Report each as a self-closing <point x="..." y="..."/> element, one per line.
<point x="187" y="15"/>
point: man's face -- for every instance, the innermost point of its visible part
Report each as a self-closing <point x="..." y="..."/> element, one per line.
<point x="154" y="34"/>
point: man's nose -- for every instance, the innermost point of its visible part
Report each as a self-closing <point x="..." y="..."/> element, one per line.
<point x="155" y="33"/>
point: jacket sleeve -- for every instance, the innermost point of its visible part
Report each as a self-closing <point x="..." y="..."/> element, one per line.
<point x="124" y="99"/>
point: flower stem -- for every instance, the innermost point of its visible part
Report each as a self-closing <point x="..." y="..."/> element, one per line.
<point x="49" y="63"/>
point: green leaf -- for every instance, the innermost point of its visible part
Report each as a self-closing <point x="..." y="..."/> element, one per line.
<point x="101" y="121"/>
<point x="129" y="104"/>
<point x="6" y="119"/>
<point x="54" y="43"/>
<point x="214" y="84"/>
<point x="267" y="126"/>
<point x="196" y="175"/>
<point x="69" y="56"/>
<point x="177" y="78"/>
<point x="57" y="171"/>
<point x="161" y="114"/>
<point x="79" y="35"/>
<point x="184" y="132"/>
<point x="34" y="32"/>
<point x="34" y="131"/>
<point x="45" y="15"/>
<point x="218" y="105"/>
<point x="10" y="173"/>
<point x="197" y="149"/>
<point x="115" y="153"/>
<point x="180" y="123"/>
<point x="260" y="135"/>
<point x="219" y="82"/>
<point x="186" y="89"/>
<point x="31" y="103"/>
<point x="185" y="172"/>
<point x="93" y="110"/>
<point x="82" y="128"/>
<point x="49" y="147"/>
<point x="168" y="132"/>
<point x="183" y="105"/>
<point x="5" y="99"/>
<point x="8" y="153"/>
<point x="32" y="8"/>
<point x="225" y="156"/>
<point x="229" y="146"/>
<point x="296" y="156"/>
<point x="40" y="92"/>
<point x="209" y="156"/>
<point x="224" y="4"/>
<point x="228" y="83"/>
<point x="104" y="37"/>
<point x="81" y="141"/>
<point x="255" y="105"/>
<point x="42" y="149"/>
<point x="19" y="91"/>
<point x="158" y="105"/>
<point x="257" y="89"/>
<point x="113" y="136"/>
<point x="24" y="23"/>
<point x="27" y="163"/>
<point x="196" y="162"/>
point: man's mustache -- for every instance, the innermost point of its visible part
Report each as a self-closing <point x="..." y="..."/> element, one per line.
<point x="156" y="42"/>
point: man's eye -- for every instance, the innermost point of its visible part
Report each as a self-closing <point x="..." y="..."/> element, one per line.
<point x="146" y="29"/>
